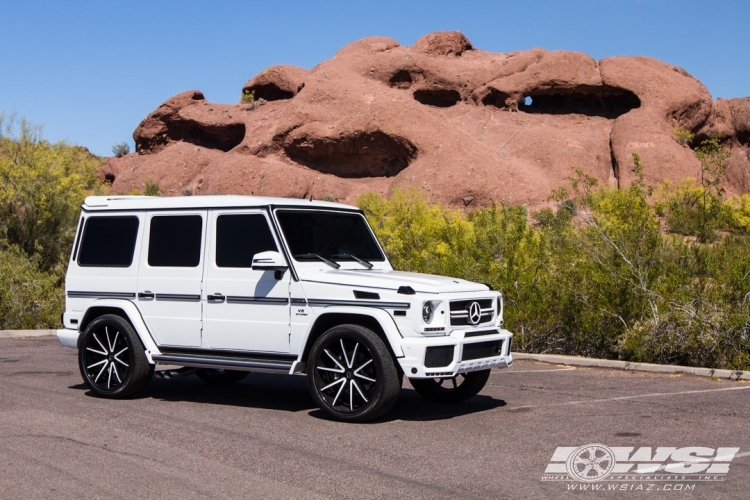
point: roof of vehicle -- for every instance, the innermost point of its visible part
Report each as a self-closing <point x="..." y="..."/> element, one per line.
<point x="106" y="203"/>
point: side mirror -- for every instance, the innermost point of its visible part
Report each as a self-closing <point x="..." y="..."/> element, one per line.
<point x="269" y="261"/>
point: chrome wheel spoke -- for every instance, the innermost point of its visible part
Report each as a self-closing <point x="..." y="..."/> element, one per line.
<point x="356" y="386"/>
<point x="343" y="350"/>
<point x="101" y="371"/>
<point x="341" y="381"/>
<point x="354" y="354"/>
<point x="351" y="395"/>
<point x="335" y="360"/>
<point x="359" y="375"/>
<point x="109" y="341"/>
<point x="100" y="343"/>
<point x="326" y="369"/>
<point x="363" y="377"/>
<point x="96" y="364"/>
<point x="98" y="352"/>
<point x="340" y="391"/>
<point x="117" y="374"/>
<point x="109" y="376"/>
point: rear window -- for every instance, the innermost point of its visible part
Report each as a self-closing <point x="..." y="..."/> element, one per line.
<point x="175" y="241"/>
<point x="108" y="241"/>
<point x="239" y="237"/>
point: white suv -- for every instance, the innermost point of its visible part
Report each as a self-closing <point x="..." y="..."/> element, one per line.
<point x="226" y="285"/>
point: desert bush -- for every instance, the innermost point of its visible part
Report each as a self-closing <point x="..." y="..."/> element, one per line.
<point x="151" y="188"/>
<point x="29" y="298"/>
<point x="42" y="186"/>
<point x="682" y="135"/>
<point x="247" y="97"/>
<point x="120" y="149"/>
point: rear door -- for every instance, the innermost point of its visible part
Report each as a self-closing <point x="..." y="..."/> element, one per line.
<point x="245" y="310"/>
<point x="170" y="276"/>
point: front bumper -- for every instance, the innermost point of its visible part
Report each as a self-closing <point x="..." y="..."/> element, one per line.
<point x="68" y="337"/>
<point x="468" y="354"/>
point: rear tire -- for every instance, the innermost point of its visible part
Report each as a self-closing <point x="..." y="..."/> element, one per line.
<point x="220" y="377"/>
<point x="112" y="359"/>
<point x="351" y="374"/>
<point x="451" y="390"/>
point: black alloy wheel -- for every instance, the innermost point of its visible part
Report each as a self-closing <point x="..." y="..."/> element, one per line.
<point x="111" y="358"/>
<point x="451" y="390"/>
<point x="351" y="374"/>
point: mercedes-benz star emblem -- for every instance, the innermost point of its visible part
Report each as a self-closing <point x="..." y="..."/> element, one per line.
<point x="475" y="313"/>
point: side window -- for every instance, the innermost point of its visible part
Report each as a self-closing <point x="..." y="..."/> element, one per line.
<point x="175" y="241"/>
<point x="239" y="237"/>
<point x="108" y="242"/>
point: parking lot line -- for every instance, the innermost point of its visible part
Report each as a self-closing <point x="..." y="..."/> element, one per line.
<point x="637" y="396"/>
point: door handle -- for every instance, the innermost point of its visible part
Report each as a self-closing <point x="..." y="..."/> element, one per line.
<point x="146" y="295"/>
<point x="216" y="297"/>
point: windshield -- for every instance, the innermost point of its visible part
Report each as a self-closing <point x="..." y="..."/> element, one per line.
<point x="328" y="234"/>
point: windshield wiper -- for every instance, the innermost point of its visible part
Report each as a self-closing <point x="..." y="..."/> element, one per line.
<point x="319" y="257"/>
<point x="368" y="265"/>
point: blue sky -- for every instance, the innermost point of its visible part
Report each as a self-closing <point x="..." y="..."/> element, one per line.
<point x="90" y="71"/>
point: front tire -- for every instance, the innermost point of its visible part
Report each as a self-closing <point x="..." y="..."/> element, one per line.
<point x="112" y="359"/>
<point x="451" y="390"/>
<point x="351" y="374"/>
<point x="220" y="377"/>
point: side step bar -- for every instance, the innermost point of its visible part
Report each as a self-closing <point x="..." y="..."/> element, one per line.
<point x="226" y="363"/>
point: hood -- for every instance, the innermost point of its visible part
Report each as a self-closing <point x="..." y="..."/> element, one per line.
<point x="392" y="280"/>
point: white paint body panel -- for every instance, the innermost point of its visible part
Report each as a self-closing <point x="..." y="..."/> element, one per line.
<point x="259" y="319"/>
<point x="173" y="321"/>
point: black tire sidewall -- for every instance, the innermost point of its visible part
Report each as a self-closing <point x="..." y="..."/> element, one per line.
<point x="383" y="397"/>
<point x="136" y="357"/>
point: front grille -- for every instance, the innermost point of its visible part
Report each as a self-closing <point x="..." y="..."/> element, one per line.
<point x="436" y="357"/>
<point x="460" y="311"/>
<point x="482" y="350"/>
<point x="480" y="333"/>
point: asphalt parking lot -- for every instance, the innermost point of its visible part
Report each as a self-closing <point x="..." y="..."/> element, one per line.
<point x="264" y="438"/>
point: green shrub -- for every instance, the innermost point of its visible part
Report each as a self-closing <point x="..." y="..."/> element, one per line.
<point x="42" y="186"/>
<point x="247" y="97"/>
<point x="120" y="149"/>
<point x="29" y="298"/>
<point x="151" y="188"/>
<point x="682" y="135"/>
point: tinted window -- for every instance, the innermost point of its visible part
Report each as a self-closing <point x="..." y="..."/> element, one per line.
<point x="175" y="241"/>
<point x="328" y="234"/>
<point x="239" y="237"/>
<point x="108" y="241"/>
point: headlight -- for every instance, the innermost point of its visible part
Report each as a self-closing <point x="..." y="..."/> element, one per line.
<point x="428" y="312"/>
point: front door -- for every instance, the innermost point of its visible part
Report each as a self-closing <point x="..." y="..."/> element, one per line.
<point x="245" y="310"/>
<point x="170" y="274"/>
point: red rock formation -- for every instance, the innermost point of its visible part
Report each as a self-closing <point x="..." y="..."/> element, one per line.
<point x="460" y="123"/>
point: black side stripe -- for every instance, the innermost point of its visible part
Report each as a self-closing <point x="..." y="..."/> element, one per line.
<point x="178" y="296"/>
<point x="255" y="300"/>
<point x="302" y="302"/>
<point x="360" y="303"/>
<point x="100" y="295"/>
